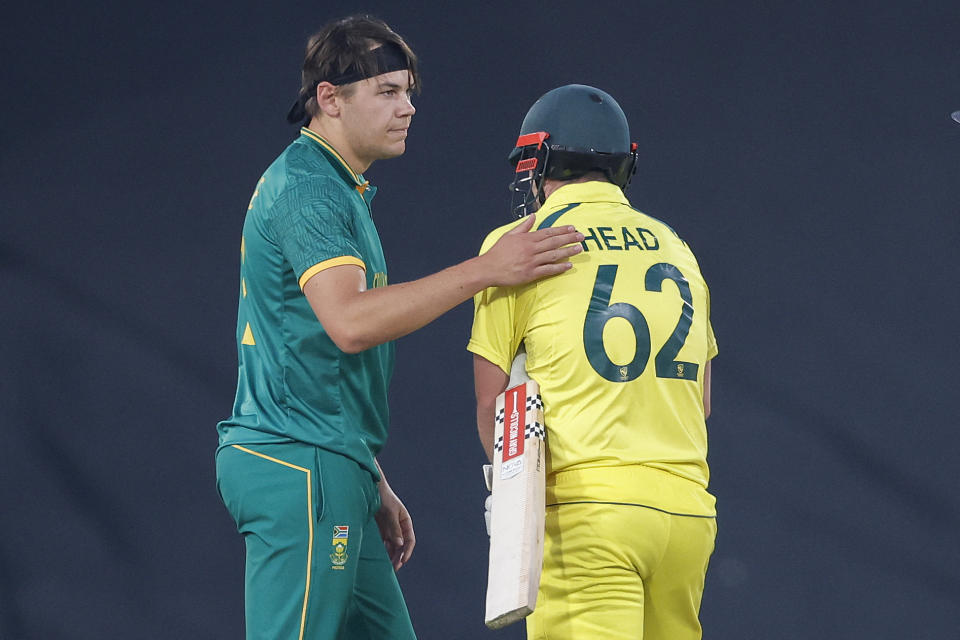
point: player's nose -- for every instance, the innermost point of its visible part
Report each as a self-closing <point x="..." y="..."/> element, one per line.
<point x="406" y="108"/>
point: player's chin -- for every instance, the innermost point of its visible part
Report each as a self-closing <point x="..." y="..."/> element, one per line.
<point x="394" y="149"/>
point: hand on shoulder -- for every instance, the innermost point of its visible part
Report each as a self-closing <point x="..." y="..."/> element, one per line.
<point x="522" y="255"/>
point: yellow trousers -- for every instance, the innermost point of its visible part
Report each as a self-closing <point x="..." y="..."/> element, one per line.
<point x="615" y="571"/>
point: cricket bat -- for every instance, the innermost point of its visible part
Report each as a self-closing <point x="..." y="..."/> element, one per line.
<point x="517" y="513"/>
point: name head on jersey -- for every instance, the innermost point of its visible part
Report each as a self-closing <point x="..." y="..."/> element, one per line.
<point x="569" y="132"/>
<point x="627" y="238"/>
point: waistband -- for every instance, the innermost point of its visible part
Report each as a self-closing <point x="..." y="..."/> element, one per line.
<point x="631" y="484"/>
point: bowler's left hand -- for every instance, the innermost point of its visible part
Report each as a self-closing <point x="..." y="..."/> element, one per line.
<point x="396" y="527"/>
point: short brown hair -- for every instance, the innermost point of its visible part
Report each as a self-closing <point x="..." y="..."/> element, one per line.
<point x="341" y="45"/>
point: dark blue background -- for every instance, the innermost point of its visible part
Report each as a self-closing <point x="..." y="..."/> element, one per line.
<point x="804" y="150"/>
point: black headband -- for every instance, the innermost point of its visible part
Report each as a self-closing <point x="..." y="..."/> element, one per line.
<point x="386" y="58"/>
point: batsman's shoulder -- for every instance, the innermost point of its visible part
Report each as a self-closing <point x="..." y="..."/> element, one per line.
<point x="496" y="234"/>
<point x="657" y="223"/>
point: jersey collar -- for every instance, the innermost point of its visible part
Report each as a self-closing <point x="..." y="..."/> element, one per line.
<point x="357" y="180"/>
<point x="593" y="191"/>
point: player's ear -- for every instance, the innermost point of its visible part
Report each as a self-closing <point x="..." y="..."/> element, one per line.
<point x="327" y="99"/>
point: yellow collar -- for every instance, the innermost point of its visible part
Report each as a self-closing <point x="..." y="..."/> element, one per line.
<point x="593" y="191"/>
<point x="359" y="181"/>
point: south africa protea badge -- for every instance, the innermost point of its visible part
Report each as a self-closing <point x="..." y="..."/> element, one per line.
<point x="341" y="534"/>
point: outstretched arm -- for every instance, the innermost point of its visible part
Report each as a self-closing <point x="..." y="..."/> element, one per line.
<point x="357" y="318"/>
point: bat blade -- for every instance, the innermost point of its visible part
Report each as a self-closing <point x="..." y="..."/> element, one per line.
<point x="517" y="514"/>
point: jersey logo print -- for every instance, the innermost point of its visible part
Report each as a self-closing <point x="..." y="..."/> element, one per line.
<point x="248" y="337"/>
<point x="243" y="259"/>
<point x="256" y="192"/>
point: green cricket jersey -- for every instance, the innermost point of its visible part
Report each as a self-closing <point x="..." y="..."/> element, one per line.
<point x="309" y="212"/>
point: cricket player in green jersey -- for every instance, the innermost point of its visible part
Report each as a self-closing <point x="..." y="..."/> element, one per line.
<point x="621" y="347"/>
<point x="296" y="462"/>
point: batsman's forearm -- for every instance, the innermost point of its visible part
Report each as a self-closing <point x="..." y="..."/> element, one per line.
<point x="485" y="427"/>
<point x="489" y="381"/>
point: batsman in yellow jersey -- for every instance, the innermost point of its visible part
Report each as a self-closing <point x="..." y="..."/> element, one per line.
<point x="621" y="347"/>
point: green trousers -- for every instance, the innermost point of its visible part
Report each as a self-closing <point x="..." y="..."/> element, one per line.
<point x="316" y="568"/>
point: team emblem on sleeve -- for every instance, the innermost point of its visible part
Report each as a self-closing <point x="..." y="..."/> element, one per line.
<point x="339" y="556"/>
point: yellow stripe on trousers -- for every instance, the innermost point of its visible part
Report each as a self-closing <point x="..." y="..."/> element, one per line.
<point x="306" y="591"/>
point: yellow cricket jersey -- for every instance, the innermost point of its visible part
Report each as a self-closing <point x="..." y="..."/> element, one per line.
<point x="618" y="345"/>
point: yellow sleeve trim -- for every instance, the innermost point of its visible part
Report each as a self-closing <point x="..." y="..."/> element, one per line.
<point x="326" y="264"/>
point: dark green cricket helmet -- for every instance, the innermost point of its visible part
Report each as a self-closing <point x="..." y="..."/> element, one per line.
<point x="568" y="132"/>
